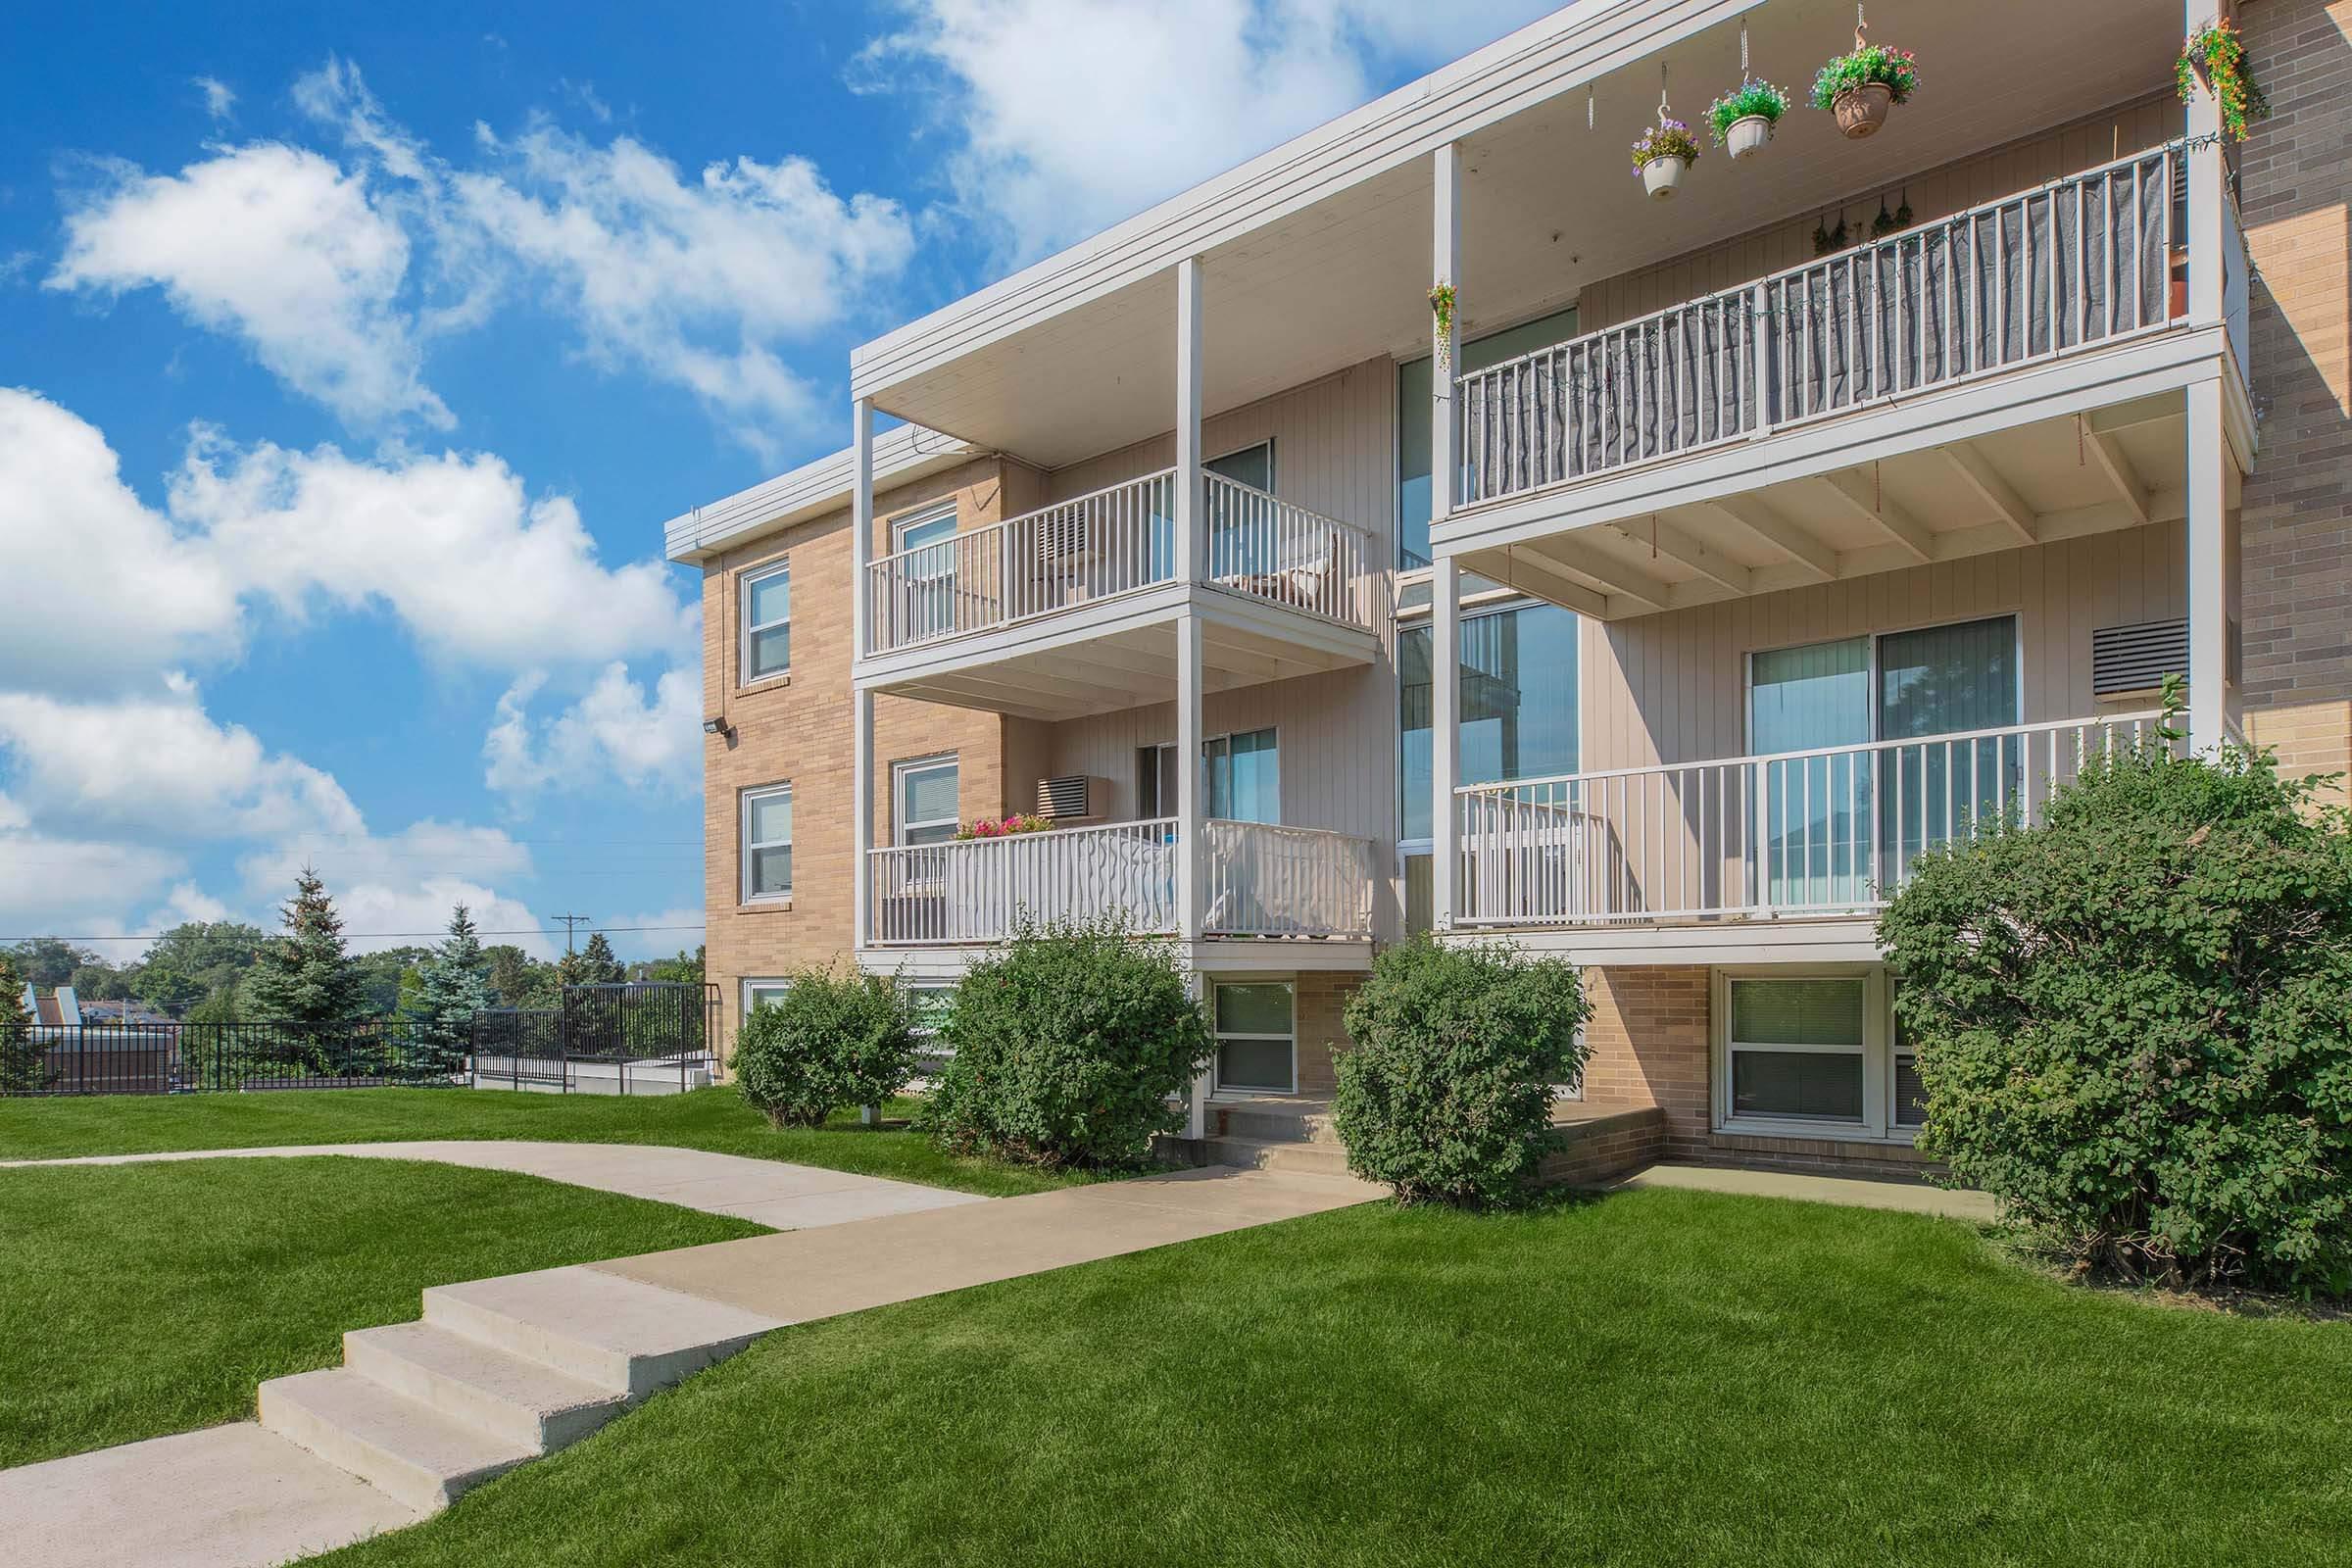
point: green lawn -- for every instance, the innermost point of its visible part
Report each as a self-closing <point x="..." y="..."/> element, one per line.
<point x="714" y="1119"/>
<point x="1656" y="1378"/>
<point x="141" y="1300"/>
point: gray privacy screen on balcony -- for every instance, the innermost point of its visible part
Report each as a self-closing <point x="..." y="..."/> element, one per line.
<point x="2077" y="262"/>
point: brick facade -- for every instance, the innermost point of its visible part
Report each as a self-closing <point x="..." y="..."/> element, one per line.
<point x="1322" y="997"/>
<point x="798" y="730"/>
<point x="2295" y="539"/>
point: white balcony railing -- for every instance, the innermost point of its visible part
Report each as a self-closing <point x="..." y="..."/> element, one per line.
<point x="1260" y="880"/>
<point x="1116" y="541"/>
<point x="2076" y="263"/>
<point x="1832" y="831"/>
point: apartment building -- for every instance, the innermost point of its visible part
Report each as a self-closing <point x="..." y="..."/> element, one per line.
<point x="1733" y="550"/>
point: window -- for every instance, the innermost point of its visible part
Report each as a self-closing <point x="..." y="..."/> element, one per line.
<point x="1256" y="1029"/>
<point x="931" y="1004"/>
<point x="767" y="844"/>
<point x="758" y="992"/>
<point x="925" y="542"/>
<point x="1828" y="819"/>
<point x="1241" y="775"/>
<point x="1238" y="543"/>
<point x="1518" y="707"/>
<point x="926" y="808"/>
<point x="1417" y="387"/>
<point x="766" y="623"/>
<point x="1813" y="1054"/>
<point x="1244" y="777"/>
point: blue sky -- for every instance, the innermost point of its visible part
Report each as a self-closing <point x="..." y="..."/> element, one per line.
<point x="351" y="358"/>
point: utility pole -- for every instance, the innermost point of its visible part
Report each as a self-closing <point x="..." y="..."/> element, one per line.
<point x="570" y="920"/>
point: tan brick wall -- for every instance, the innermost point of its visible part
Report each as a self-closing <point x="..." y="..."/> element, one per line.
<point x="2296" y="525"/>
<point x="797" y="731"/>
<point x="1322" y="1000"/>
<point x="1647" y="1045"/>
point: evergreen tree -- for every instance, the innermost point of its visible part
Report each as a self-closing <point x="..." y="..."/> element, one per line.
<point x="306" y="976"/>
<point x="518" y="980"/>
<point x="451" y="989"/>
<point x="595" y="965"/>
<point x="21" y="1064"/>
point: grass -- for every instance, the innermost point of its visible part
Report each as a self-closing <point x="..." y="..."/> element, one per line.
<point x="1655" y="1378"/>
<point x="142" y="1300"/>
<point x="714" y="1119"/>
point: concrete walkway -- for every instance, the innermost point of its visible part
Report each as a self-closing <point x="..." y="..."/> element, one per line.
<point x="767" y="1192"/>
<point x="1856" y="1192"/>
<point x="502" y="1370"/>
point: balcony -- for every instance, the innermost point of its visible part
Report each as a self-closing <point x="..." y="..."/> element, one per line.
<point x="1067" y="610"/>
<point x="1259" y="879"/>
<point x="2010" y="374"/>
<point x="1823" y="833"/>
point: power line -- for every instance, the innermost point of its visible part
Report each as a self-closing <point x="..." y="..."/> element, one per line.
<point x="570" y="920"/>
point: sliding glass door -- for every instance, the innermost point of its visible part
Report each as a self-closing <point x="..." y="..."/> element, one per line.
<point x="1837" y="825"/>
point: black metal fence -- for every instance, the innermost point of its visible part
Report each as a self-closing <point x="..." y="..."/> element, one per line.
<point x="614" y="1038"/>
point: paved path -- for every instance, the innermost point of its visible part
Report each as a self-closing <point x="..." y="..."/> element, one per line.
<point x="1858" y="1191"/>
<point x="243" y="1496"/>
<point x="767" y="1192"/>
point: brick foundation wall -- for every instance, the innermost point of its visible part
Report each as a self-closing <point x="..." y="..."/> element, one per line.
<point x="1322" y="998"/>
<point x="1595" y="1153"/>
<point x="1648" y="1039"/>
<point x="2296" y="525"/>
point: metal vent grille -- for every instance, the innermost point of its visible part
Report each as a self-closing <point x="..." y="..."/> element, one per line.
<point x="2136" y="659"/>
<point x="1068" y="797"/>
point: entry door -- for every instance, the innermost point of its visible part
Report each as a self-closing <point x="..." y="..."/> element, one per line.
<point x="1812" y="813"/>
<point x="1240" y="544"/>
<point x="1949" y="681"/>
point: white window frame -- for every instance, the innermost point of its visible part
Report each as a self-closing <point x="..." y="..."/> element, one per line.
<point x="755" y="985"/>
<point x="1219" y="1035"/>
<point x="749" y="581"/>
<point x="922" y="517"/>
<point x="747" y="847"/>
<point x="899" y="773"/>
<point x="1878" y="1124"/>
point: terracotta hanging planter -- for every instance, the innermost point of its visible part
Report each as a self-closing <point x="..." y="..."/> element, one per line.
<point x="1862" y="111"/>
<point x="1860" y="87"/>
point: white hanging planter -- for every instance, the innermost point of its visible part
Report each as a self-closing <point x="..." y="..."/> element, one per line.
<point x="1663" y="176"/>
<point x="1745" y="138"/>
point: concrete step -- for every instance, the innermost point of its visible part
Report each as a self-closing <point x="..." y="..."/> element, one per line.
<point x="626" y="1338"/>
<point x="507" y="1397"/>
<point x="1304" y="1122"/>
<point x="407" y="1450"/>
<point x="1301" y="1158"/>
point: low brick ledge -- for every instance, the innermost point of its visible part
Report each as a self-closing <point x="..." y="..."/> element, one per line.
<point x="1593" y="1144"/>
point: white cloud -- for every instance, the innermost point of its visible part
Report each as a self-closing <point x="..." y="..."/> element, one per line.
<point x="1072" y="115"/>
<point x="163" y="766"/>
<point x="98" y="591"/>
<point x="655" y="933"/>
<point x="698" y="282"/>
<point x="408" y="883"/>
<point x="614" y="731"/>
<point x="77" y="886"/>
<point x="479" y="571"/>
<point x="95" y="589"/>
<point x="278" y="246"/>
<point x="219" y="98"/>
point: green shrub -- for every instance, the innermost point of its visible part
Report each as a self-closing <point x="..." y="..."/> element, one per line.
<point x="832" y="1040"/>
<point x="1447" y="1092"/>
<point x="2132" y="1021"/>
<point x="1070" y="1044"/>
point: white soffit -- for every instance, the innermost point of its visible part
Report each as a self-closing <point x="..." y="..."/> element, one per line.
<point x="1317" y="256"/>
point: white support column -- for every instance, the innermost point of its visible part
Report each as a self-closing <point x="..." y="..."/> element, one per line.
<point x="2207" y="172"/>
<point x="1189" y="541"/>
<point x="2208" y="536"/>
<point x="1196" y="1114"/>
<point x="1445" y="266"/>
<point x="861" y="768"/>
<point x="1445" y="741"/>
<point x="1446" y="580"/>
<point x="1190" y="808"/>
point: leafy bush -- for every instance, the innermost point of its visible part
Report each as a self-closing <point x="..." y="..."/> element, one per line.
<point x="1754" y="98"/>
<point x="1668" y="138"/>
<point x="2132" y="1022"/>
<point x="1070" y="1044"/>
<point x="1447" y="1092"/>
<point x="1896" y="70"/>
<point x="831" y="1039"/>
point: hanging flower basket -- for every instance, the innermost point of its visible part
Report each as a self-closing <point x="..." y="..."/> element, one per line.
<point x="1663" y="155"/>
<point x="2217" y="54"/>
<point x="1860" y="87"/>
<point x="1744" y="118"/>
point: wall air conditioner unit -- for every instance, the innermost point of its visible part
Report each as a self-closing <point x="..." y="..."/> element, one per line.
<point x="1072" y="798"/>
<point x="2127" y="661"/>
<point x="1064" y="538"/>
